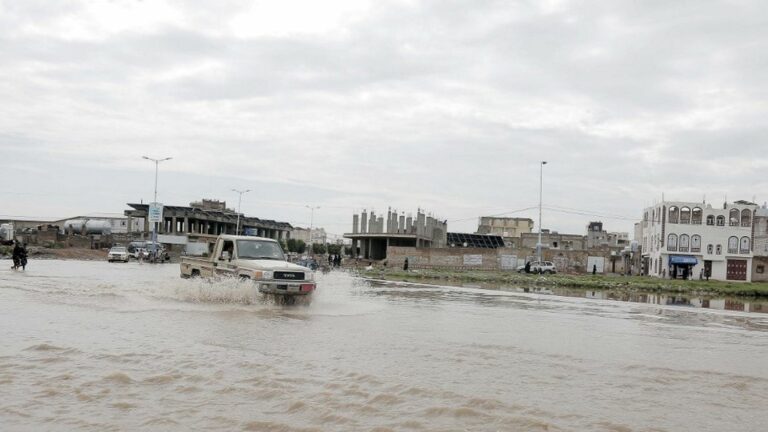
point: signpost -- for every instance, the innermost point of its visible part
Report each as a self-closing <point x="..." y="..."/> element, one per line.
<point x="155" y="215"/>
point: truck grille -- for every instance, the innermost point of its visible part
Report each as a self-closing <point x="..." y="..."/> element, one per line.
<point x="289" y="275"/>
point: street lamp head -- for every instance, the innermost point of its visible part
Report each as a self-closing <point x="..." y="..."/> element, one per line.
<point x="144" y="157"/>
<point x="543" y="162"/>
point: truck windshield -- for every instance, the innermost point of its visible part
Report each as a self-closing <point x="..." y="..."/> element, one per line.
<point x="257" y="249"/>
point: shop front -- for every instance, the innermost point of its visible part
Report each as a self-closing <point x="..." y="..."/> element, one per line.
<point x="681" y="266"/>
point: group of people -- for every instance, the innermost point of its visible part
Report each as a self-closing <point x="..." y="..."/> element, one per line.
<point x="334" y="260"/>
<point x="152" y="256"/>
<point x="19" y="256"/>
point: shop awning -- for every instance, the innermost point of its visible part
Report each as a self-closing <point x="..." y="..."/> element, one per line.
<point x="682" y="260"/>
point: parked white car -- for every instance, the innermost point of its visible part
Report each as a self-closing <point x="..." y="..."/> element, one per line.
<point x="118" y="253"/>
<point x="544" y="267"/>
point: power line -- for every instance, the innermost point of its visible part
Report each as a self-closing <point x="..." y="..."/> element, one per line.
<point x="587" y="213"/>
<point x="494" y="215"/>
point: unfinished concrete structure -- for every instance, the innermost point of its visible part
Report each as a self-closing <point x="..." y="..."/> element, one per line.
<point x="597" y="237"/>
<point x="760" y="245"/>
<point x="506" y="227"/>
<point x="371" y="234"/>
<point x="209" y="218"/>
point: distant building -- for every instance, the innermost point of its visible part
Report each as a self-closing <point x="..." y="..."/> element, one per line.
<point x="117" y="223"/>
<point x="318" y="235"/>
<point x="597" y="237"/>
<point x="554" y="240"/>
<point x="760" y="245"/>
<point x="697" y="238"/>
<point x="371" y="236"/>
<point x="208" y="218"/>
<point x="505" y="227"/>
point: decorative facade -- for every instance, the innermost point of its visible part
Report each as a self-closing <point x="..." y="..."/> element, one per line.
<point x="693" y="240"/>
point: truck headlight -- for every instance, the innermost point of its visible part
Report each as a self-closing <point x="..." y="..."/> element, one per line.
<point x="267" y="275"/>
<point x="309" y="276"/>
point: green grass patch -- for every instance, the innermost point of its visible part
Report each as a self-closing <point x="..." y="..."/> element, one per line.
<point x="587" y="282"/>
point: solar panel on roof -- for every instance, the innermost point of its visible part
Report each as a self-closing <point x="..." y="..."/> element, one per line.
<point x="475" y="240"/>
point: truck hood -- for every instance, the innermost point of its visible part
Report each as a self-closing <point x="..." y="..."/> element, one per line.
<point x="271" y="265"/>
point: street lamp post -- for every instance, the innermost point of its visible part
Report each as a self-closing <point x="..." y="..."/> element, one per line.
<point x="311" y="220"/>
<point x="239" y="200"/>
<point x="541" y="192"/>
<point x="157" y="163"/>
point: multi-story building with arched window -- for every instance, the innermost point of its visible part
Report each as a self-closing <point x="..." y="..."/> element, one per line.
<point x="686" y="239"/>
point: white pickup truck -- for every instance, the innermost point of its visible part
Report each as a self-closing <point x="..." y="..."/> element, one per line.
<point x="260" y="260"/>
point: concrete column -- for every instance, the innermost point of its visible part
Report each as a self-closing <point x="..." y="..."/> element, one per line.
<point x="402" y="224"/>
<point x="175" y="225"/>
<point x="185" y="228"/>
<point x="355" y="222"/>
<point x="364" y="222"/>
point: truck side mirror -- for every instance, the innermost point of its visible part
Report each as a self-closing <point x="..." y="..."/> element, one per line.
<point x="225" y="256"/>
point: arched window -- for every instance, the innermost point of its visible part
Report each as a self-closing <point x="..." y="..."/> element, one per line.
<point x="696" y="216"/>
<point x="744" y="245"/>
<point x="653" y="217"/>
<point x="645" y="219"/>
<point x="685" y="215"/>
<point x="709" y="249"/>
<point x="721" y="220"/>
<point x="674" y="215"/>
<point x="710" y="220"/>
<point x="733" y="217"/>
<point x="733" y="245"/>
<point x="746" y="218"/>
<point x="684" y="240"/>
<point x="719" y="250"/>
<point x="672" y="242"/>
<point x="695" y="243"/>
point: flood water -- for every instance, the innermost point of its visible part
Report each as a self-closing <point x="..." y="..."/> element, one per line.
<point x="99" y="346"/>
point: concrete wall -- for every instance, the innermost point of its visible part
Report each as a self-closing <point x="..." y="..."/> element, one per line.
<point x="495" y="259"/>
<point x="760" y="269"/>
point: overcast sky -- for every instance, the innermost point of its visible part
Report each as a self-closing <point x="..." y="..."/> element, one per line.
<point x="445" y="105"/>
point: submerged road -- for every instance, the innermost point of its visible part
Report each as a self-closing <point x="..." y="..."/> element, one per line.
<point x="98" y="346"/>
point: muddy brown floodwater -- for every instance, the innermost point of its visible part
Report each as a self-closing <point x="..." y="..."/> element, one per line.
<point x="98" y="346"/>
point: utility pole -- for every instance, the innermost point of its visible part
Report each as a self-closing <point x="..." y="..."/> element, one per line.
<point x="541" y="192"/>
<point x="157" y="164"/>
<point x="239" y="200"/>
<point x="311" y="220"/>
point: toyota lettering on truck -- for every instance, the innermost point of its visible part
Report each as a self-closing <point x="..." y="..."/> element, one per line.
<point x="260" y="261"/>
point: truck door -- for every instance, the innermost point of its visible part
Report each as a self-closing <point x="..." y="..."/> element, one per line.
<point x="223" y="262"/>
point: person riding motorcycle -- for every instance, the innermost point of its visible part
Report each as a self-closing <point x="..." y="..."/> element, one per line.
<point x="19" y="256"/>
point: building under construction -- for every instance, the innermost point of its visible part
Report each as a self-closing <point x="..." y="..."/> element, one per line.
<point x="371" y="234"/>
<point x="209" y="218"/>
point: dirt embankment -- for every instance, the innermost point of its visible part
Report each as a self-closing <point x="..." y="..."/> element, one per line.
<point x="68" y="254"/>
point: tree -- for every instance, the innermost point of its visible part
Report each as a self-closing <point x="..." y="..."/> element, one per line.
<point x="318" y="248"/>
<point x="297" y="246"/>
<point x="334" y="249"/>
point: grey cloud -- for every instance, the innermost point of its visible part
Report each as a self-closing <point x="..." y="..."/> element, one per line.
<point x="448" y="105"/>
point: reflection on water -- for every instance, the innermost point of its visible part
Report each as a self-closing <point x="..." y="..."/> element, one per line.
<point x="744" y="304"/>
<point x="729" y="304"/>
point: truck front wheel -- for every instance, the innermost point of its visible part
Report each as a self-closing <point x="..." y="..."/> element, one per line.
<point x="195" y="273"/>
